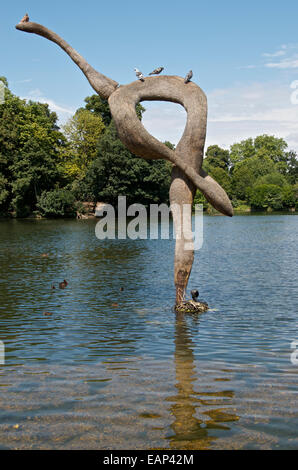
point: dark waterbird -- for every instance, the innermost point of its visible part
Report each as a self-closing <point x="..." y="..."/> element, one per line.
<point x="192" y="306"/>
<point x="195" y="294"/>
<point x="63" y="284"/>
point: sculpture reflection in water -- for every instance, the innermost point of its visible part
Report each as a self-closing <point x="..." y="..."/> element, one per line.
<point x="189" y="431"/>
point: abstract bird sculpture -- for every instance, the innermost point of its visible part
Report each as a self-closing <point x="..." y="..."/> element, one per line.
<point x="187" y="158"/>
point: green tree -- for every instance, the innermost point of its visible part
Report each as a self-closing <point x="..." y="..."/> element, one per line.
<point x="247" y="172"/>
<point x="83" y="132"/>
<point x="223" y="178"/>
<point x="242" y="151"/>
<point x="292" y="167"/>
<point x="289" y="198"/>
<point x="271" y="146"/>
<point x="4" y="194"/>
<point x="217" y="157"/>
<point x="99" y="106"/>
<point x="263" y="145"/>
<point x="272" y="178"/>
<point x="4" y="80"/>
<point x="57" y="203"/>
<point x="264" y="196"/>
<point x="117" y="172"/>
<point x="30" y="142"/>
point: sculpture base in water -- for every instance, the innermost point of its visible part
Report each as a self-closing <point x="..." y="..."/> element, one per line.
<point x="190" y="306"/>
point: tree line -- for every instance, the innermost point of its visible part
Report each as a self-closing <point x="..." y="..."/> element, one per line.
<point x="49" y="171"/>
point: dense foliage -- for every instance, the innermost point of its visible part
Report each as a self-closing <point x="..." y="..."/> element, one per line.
<point x="260" y="173"/>
<point x="57" y="203"/>
<point x="30" y="144"/>
<point x="45" y="170"/>
<point x="117" y="172"/>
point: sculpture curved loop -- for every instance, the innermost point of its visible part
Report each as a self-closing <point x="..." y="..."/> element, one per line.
<point x="188" y="155"/>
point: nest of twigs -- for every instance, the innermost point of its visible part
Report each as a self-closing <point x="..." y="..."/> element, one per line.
<point x="190" y="306"/>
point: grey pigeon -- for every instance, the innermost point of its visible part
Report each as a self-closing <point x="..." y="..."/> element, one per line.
<point x="140" y="75"/>
<point x="188" y="77"/>
<point x="157" y="71"/>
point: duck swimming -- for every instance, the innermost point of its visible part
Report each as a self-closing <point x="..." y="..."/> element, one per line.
<point x="63" y="284"/>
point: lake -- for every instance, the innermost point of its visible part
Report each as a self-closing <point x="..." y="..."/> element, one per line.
<point x="120" y="370"/>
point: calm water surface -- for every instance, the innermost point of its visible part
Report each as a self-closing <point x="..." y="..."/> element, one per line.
<point x="119" y="370"/>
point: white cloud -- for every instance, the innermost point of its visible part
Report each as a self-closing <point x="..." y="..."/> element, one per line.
<point x="289" y="60"/>
<point x="166" y="121"/>
<point x="276" y="54"/>
<point x="248" y="111"/>
<point x="63" y="112"/>
<point x="284" y="64"/>
<point x="235" y="113"/>
<point x="248" y="67"/>
<point x="27" y="80"/>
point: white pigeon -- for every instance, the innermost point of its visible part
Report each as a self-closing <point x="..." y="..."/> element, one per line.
<point x="188" y="77"/>
<point x="139" y="75"/>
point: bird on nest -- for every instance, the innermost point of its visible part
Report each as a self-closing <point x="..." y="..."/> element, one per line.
<point x="192" y="306"/>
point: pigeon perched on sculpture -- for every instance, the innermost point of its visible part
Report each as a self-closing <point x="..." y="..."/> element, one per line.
<point x="140" y="75"/>
<point x="25" y="19"/>
<point x="188" y="77"/>
<point x="157" y="71"/>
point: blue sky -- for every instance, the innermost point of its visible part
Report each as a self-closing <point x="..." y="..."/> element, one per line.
<point x="243" y="54"/>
